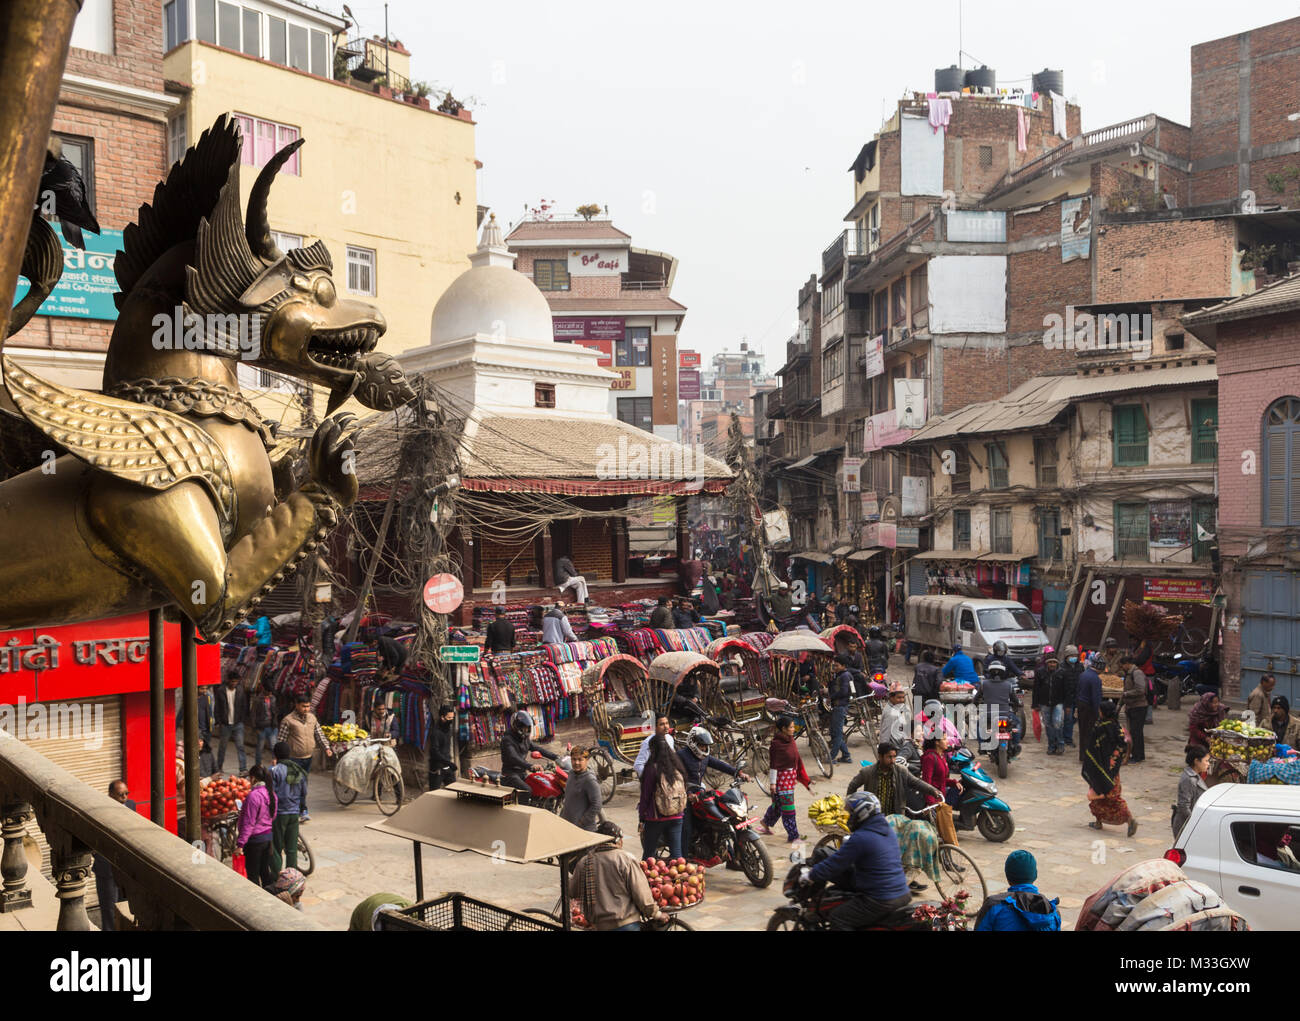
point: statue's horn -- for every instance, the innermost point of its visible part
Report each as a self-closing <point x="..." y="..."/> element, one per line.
<point x="256" y="226"/>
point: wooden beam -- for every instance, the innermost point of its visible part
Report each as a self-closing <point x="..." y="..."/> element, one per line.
<point x="1068" y="636"/>
<point x="1069" y="601"/>
<point x="1114" y="608"/>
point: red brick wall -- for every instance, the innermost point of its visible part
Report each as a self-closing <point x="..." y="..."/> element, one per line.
<point x="1164" y="260"/>
<point x="1216" y="71"/>
<point x="129" y="148"/>
<point x="505" y="560"/>
<point x="1038" y="283"/>
<point x="592" y="547"/>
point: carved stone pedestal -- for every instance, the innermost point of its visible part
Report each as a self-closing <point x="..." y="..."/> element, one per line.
<point x="72" y="869"/>
<point x="13" y="861"/>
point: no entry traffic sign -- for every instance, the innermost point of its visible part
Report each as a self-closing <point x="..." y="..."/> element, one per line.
<point x="443" y="593"/>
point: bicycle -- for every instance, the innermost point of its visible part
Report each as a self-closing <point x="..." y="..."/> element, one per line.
<point x="226" y="830"/>
<point x="742" y="746"/>
<point x="958" y="871"/>
<point x="1190" y="641"/>
<point x="384" y="781"/>
<point x="862" y="718"/>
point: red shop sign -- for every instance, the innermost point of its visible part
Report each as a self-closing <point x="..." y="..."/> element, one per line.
<point x="443" y="593"/>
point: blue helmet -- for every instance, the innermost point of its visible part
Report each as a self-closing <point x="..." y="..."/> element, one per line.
<point x="861" y="806"/>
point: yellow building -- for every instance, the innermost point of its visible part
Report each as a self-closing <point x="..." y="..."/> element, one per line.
<point x="384" y="180"/>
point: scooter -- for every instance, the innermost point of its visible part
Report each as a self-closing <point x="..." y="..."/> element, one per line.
<point x="809" y="905"/>
<point x="977" y="803"/>
<point x="1177" y="669"/>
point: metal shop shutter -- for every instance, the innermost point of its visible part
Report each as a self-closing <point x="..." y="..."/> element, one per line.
<point x="96" y="767"/>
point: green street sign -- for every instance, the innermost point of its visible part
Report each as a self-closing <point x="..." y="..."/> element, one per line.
<point x="459" y="653"/>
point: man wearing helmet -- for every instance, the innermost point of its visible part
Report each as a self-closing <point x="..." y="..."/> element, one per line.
<point x="516" y="748"/>
<point x="999" y="655"/>
<point x="877" y="651"/>
<point x="696" y="757"/>
<point x="998" y="692"/>
<point x="869" y="864"/>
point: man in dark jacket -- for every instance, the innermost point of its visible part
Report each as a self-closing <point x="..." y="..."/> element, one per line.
<point x="392" y="656"/>
<point x="1087" y="702"/>
<point x="997" y="693"/>
<point x="684" y="615"/>
<point x="516" y="752"/>
<point x="877" y="651"/>
<point x="661" y="618"/>
<point x="442" y="762"/>
<point x="1062" y="684"/>
<point x="926" y="680"/>
<point x="696" y="760"/>
<point x="890" y="780"/>
<point x="840" y="691"/>
<point x="230" y="714"/>
<point x="869" y="863"/>
<point x="500" y="633"/>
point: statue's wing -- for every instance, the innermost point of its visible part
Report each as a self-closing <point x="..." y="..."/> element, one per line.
<point x="141" y="444"/>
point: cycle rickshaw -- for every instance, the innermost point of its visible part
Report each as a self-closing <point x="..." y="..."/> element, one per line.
<point x="617" y="695"/>
<point x="794" y="693"/>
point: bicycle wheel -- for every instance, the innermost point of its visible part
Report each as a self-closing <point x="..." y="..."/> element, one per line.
<point x="675" y="924"/>
<point x="1193" y="641"/>
<point x="959" y="874"/>
<point x="344" y="795"/>
<point x="388" y="790"/>
<point x="761" y="763"/>
<point x="821" y="750"/>
<point x="831" y="841"/>
<point x="606" y="776"/>
<point x="306" y="862"/>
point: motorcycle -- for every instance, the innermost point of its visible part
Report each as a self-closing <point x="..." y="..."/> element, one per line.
<point x="722" y="831"/>
<point x="977" y="803"/>
<point x="809" y="905"/>
<point x="546" y="785"/>
<point x="1000" y="744"/>
<point x="1179" y="670"/>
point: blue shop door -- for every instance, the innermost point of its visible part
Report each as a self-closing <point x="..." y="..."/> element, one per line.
<point x="1053" y="606"/>
<point x="1270" y="631"/>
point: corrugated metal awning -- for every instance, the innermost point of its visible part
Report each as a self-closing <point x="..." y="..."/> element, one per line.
<point x="841" y="551"/>
<point x="804" y="463"/>
<point x="950" y="554"/>
<point x="817" y="558"/>
<point x="1016" y="557"/>
<point x="865" y="554"/>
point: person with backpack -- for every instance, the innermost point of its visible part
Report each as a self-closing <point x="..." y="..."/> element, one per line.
<point x="786" y="769"/>
<point x="663" y="800"/>
<point x="262" y="714"/>
<point x="289" y="785"/>
<point x="1020" y="908"/>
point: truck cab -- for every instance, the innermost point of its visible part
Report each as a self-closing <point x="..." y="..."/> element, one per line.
<point x="942" y="622"/>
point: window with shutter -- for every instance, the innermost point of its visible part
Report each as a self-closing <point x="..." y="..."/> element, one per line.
<point x="999" y="475"/>
<point x="1045" y="461"/>
<point x="1049" y="533"/>
<point x="961" y="529"/>
<point x="1001" y="538"/>
<point x="1281" y="473"/>
<point x="961" y="473"/>
<point x="1129" y="426"/>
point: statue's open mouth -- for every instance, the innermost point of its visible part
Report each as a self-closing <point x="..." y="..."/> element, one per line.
<point x="341" y="349"/>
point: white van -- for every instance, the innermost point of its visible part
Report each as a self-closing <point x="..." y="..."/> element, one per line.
<point x="1243" y="840"/>
<point x="940" y="622"/>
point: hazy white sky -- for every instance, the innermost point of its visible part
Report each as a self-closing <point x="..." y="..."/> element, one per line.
<point x="720" y="132"/>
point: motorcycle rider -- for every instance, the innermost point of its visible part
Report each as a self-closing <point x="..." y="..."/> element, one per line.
<point x="998" y="691"/>
<point x="877" y="651"/>
<point x="696" y="755"/>
<point x="516" y="747"/>
<point x="999" y="655"/>
<point x="868" y="864"/>
<point x="960" y="667"/>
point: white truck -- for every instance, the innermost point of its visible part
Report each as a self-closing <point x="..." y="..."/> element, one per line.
<point x="942" y="622"/>
<point x="1243" y="841"/>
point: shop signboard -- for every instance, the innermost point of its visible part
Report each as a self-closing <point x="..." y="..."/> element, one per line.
<point x="625" y="381"/>
<point x="1177" y="590"/>
<point x="604" y="347"/>
<point x="597" y="262"/>
<point x="852" y="478"/>
<point x="870" y="507"/>
<point x="86" y="288"/>
<point x="688" y="384"/>
<point x="875" y="357"/>
<point x="880" y="534"/>
<point x="587" y="328"/>
<point x="688" y="359"/>
<point x="881" y="431"/>
<point x="906" y="537"/>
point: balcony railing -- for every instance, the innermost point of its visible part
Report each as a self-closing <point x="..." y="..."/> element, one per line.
<point x="1129" y="130"/>
<point x="857" y="241"/>
<point x="168" y="886"/>
<point x="643" y="285"/>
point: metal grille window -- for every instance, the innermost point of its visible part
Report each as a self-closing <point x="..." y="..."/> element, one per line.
<point x="361" y="270"/>
<point x="961" y="529"/>
<point x="1129" y="427"/>
<point x="1045" y="461"/>
<point x="1205" y="432"/>
<point x="986" y="157"/>
<point x="999" y="473"/>
<point x="551" y="274"/>
<point x="1132" y="529"/>
<point x="634" y="348"/>
<point x="1001" y="530"/>
<point x="1281" y="502"/>
<point x="1049" y="533"/>
<point x="1202" y="523"/>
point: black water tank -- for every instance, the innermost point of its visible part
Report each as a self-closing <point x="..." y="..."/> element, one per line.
<point x="1049" y="81"/>
<point x="982" y="78"/>
<point x="949" y="79"/>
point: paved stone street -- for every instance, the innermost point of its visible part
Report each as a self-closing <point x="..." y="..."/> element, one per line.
<point x="1046" y="796"/>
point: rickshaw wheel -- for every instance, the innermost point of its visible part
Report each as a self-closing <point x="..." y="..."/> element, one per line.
<point x="606" y="777"/>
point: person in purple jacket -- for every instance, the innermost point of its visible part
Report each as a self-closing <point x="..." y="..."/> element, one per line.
<point x="256" y="821"/>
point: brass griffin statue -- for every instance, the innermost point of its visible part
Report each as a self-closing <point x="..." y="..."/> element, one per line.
<point x="166" y="492"/>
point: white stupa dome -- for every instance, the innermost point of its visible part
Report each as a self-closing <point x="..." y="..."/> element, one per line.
<point x="492" y="299"/>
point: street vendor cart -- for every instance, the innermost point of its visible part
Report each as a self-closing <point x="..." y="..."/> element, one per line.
<point x="617" y="696"/>
<point x="487" y="821"/>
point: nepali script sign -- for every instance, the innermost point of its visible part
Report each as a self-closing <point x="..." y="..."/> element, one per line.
<point x="86" y="289"/>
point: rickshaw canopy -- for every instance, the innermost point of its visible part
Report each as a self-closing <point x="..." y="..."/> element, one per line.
<point x="799" y="641"/>
<point x="618" y="670"/>
<point x="673" y="666"/>
<point x="720" y="647"/>
<point x="849" y="632"/>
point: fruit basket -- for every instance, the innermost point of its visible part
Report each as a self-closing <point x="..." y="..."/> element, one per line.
<point x="676" y="884"/>
<point x="1239" y="743"/>
<point x="217" y="795"/>
<point x="343" y="736"/>
<point x="956" y="692"/>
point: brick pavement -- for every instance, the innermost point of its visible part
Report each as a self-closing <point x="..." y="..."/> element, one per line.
<point x="1046" y="796"/>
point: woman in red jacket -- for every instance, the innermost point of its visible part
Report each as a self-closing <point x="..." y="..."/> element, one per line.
<point x="934" y="765"/>
<point x="786" y="769"/>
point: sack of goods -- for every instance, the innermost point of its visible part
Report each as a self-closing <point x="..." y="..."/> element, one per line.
<point x="829" y="811"/>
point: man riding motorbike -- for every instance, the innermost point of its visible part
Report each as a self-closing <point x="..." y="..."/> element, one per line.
<point x="998" y="691"/>
<point x="868" y="864"/>
<point x="516" y="748"/>
<point x="999" y="655"/>
<point x="877" y="652"/>
<point x="696" y="755"/>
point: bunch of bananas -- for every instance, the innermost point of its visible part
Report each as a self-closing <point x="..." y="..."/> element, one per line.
<point x="829" y="811"/>
<point x="343" y="732"/>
